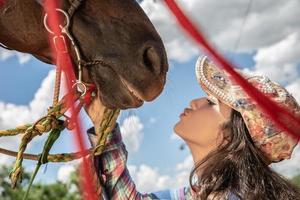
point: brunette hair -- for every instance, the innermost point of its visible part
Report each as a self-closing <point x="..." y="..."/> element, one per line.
<point x="238" y="167"/>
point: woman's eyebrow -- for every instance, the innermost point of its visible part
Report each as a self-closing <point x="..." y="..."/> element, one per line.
<point x="212" y="98"/>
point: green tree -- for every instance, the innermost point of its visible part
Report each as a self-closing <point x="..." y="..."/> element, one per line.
<point x="296" y="180"/>
<point x="53" y="191"/>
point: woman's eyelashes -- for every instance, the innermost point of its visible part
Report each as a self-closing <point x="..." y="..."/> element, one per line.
<point x="210" y="102"/>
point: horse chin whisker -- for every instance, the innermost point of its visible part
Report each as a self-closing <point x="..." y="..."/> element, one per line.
<point x="132" y="91"/>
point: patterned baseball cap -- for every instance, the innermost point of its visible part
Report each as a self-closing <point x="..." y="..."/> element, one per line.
<point x="273" y="142"/>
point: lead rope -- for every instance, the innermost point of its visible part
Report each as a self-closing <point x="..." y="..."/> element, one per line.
<point x="63" y="157"/>
<point x="57" y="85"/>
<point x="52" y="122"/>
<point x="41" y="126"/>
<point x="48" y="123"/>
<point x="97" y="180"/>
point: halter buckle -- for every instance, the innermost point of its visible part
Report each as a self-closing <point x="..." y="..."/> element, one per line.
<point x="60" y="44"/>
<point x="67" y="21"/>
<point x="80" y="87"/>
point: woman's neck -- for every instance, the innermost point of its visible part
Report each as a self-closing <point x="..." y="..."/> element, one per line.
<point x="198" y="152"/>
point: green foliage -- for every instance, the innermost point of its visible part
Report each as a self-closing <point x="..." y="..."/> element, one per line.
<point x="296" y="180"/>
<point x="53" y="191"/>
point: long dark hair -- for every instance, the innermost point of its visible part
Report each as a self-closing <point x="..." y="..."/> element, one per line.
<point x="238" y="167"/>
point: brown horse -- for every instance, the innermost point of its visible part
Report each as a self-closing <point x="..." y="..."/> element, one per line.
<point x="115" y="31"/>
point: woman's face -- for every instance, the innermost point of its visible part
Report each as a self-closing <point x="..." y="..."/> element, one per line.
<point x="200" y="123"/>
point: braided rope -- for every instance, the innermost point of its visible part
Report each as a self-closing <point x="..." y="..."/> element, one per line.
<point x="49" y="122"/>
<point x="43" y="125"/>
<point x="16" y="131"/>
<point x="17" y="169"/>
<point x="58" y="72"/>
<point x="105" y="127"/>
<point x="64" y="157"/>
<point x="55" y="158"/>
<point x="41" y="128"/>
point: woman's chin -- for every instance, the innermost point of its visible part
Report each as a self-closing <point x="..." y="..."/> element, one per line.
<point x="177" y="129"/>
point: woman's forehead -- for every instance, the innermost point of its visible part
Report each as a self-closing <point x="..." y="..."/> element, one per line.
<point x="222" y="105"/>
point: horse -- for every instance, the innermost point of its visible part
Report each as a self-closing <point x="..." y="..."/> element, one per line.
<point x="117" y="32"/>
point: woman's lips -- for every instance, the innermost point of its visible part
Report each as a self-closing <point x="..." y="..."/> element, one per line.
<point x="185" y="112"/>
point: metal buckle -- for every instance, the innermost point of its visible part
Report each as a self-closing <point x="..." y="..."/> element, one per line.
<point x="67" y="22"/>
<point x="80" y="87"/>
<point x="60" y="48"/>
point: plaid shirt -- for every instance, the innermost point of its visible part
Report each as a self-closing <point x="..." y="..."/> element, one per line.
<point x="118" y="182"/>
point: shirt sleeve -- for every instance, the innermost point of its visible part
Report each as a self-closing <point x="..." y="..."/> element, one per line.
<point x="118" y="182"/>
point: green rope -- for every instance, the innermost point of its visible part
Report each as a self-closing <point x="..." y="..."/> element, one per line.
<point x="45" y="125"/>
<point x="54" y="111"/>
<point x="53" y="123"/>
<point x="106" y="126"/>
<point x="30" y="133"/>
<point x="17" y="169"/>
<point x="53" y="136"/>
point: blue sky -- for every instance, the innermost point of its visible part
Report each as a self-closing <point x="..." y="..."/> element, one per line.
<point x="22" y="81"/>
<point x="269" y="46"/>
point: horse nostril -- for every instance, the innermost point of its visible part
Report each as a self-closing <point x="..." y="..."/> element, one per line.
<point x="152" y="60"/>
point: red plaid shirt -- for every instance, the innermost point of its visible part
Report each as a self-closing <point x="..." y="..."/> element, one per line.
<point x="118" y="182"/>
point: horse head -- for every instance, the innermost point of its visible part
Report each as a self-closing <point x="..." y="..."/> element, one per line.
<point x="118" y="32"/>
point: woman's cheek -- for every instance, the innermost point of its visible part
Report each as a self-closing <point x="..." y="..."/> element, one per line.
<point x="190" y="127"/>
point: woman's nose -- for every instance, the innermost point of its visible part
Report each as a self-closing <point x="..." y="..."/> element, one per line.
<point x="196" y="103"/>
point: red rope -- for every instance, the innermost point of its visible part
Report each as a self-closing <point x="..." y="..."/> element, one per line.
<point x="2" y="3"/>
<point x="281" y="116"/>
<point x="63" y="59"/>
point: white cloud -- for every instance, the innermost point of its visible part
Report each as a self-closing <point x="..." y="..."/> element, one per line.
<point x="178" y="46"/>
<point x="22" y="57"/>
<point x="149" y="179"/>
<point x="289" y="168"/>
<point x="187" y="164"/>
<point x="268" y="22"/>
<point x="174" y="136"/>
<point x="294" y="89"/>
<point x="279" y="61"/>
<point x="64" y="173"/>
<point x="8" y="143"/>
<point x="132" y="133"/>
<point x="12" y="115"/>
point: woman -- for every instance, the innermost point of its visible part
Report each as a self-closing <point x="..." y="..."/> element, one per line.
<point x="232" y="144"/>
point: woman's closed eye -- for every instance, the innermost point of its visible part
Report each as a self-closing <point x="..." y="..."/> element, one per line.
<point x="210" y="102"/>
